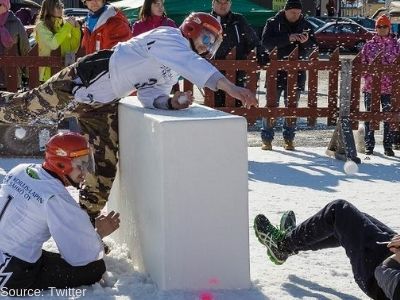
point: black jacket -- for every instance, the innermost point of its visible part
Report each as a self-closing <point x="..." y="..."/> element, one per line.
<point x="276" y="34"/>
<point x="237" y="33"/>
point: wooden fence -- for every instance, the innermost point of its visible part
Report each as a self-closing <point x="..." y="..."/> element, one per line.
<point x="11" y="61"/>
<point x="293" y="65"/>
<point x="313" y="110"/>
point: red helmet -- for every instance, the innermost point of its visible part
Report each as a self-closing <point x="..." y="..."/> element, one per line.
<point x="61" y="149"/>
<point x="197" y="23"/>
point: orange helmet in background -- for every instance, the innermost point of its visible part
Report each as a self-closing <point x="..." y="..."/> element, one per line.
<point x="199" y="24"/>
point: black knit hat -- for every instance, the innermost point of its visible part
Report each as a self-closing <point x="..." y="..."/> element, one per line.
<point x="293" y="4"/>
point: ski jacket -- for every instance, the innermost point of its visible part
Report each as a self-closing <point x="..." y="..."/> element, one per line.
<point x="276" y="34"/>
<point x="150" y="23"/>
<point x="37" y="206"/>
<point x="111" y="28"/>
<point x="237" y="33"/>
<point x="391" y="50"/>
<point x="66" y="37"/>
<point x="161" y="55"/>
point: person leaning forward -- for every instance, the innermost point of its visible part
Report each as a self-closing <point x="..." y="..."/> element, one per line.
<point x="91" y="88"/>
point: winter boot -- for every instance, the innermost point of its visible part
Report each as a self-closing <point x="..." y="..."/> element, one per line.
<point x="289" y="145"/>
<point x="266" y="145"/>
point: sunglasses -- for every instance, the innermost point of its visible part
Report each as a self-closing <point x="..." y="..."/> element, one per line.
<point x="382" y="26"/>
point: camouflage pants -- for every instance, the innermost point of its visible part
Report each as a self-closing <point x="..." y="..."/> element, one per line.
<point x="99" y="122"/>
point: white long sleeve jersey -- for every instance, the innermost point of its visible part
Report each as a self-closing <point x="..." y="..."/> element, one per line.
<point x="39" y="206"/>
<point x="152" y="62"/>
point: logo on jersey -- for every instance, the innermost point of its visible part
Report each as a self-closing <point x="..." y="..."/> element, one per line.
<point x="196" y="20"/>
<point x="166" y="72"/>
<point x="61" y="152"/>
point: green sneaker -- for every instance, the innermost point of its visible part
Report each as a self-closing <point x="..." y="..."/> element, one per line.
<point x="271" y="237"/>
<point x="288" y="221"/>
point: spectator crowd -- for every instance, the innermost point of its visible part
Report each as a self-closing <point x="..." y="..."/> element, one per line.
<point x="105" y="26"/>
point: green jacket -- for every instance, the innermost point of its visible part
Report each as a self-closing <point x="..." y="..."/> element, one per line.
<point x="67" y="37"/>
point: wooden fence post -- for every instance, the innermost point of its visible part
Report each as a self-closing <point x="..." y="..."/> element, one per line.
<point x="342" y="145"/>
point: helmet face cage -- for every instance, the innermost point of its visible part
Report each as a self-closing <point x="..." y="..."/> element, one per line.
<point x="85" y="163"/>
<point x="211" y="42"/>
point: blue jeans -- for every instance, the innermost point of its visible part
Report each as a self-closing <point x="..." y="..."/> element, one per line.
<point x="369" y="137"/>
<point x="267" y="130"/>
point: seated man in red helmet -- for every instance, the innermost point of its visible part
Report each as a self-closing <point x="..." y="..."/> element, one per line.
<point x="34" y="206"/>
<point x="150" y="63"/>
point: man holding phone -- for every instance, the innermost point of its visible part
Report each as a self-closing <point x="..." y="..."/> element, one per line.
<point x="286" y="31"/>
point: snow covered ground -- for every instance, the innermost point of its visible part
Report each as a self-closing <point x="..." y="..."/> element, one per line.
<point x="303" y="181"/>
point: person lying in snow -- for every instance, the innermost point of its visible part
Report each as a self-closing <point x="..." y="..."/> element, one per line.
<point x="372" y="247"/>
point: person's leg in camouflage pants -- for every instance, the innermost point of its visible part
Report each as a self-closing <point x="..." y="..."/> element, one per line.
<point x="49" y="102"/>
<point x="100" y="124"/>
<point x="44" y="103"/>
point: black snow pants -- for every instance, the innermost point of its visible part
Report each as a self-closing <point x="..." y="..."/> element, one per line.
<point x="51" y="270"/>
<point x="341" y="224"/>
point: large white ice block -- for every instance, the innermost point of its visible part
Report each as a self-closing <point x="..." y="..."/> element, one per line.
<point x="183" y="196"/>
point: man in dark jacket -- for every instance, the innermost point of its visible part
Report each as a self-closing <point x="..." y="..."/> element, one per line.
<point x="286" y="31"/>
<point x="372" y="247"/>
<point x="237" y="34"/>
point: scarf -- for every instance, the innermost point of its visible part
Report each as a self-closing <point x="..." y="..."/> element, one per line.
<point x="93" y="17"/>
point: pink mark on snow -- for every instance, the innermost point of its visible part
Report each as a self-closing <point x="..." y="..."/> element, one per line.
<point x="213" y="281"/>
<point x="206" y="296"/>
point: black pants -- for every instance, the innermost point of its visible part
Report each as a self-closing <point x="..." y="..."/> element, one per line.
<point x="341" y="224"/>
<point x="51" y="270"/>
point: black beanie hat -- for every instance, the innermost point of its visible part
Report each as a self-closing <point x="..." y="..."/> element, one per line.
<point x="293" y="4"/>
